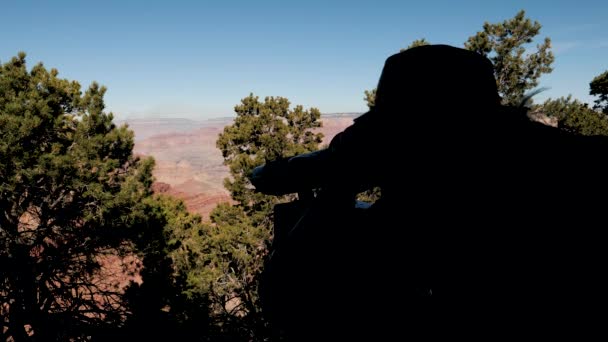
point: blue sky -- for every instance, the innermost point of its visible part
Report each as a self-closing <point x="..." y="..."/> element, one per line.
<point x="197" y="59"/>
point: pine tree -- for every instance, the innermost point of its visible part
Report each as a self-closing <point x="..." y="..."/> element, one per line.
<point x="599" y="87"/>
<point x="171" y="302"/>
<point x="262" y="131"/>
<point x="78" y="218"/>
<point x="576" y="117"/>
<point x="504" y="44"/>
<point x="70" y="189"/>
<point x="416" y="43"/>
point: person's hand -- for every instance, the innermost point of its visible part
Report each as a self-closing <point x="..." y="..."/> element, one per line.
<point x="269" y="178"/>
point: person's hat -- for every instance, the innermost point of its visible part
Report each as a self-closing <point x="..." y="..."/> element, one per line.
<point x="436" y="76"/>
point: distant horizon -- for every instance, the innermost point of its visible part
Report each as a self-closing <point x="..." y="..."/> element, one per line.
<point x="214" y="118"/>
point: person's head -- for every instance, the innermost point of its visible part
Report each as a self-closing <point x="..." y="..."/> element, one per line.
<point x="440" y="106"/>
<point x="435" y="80"/>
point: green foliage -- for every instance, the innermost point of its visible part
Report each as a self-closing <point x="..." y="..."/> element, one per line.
<point x="240" y="234"/>
<point x="599" y="87"/>
<point x="416" y="43"/>
<point x="576" y="117"/>
<point x="213" y="259"/>
<point x="77" y="217"/>
<point x="370" y="196"/>
<point x="261" y="132"/>
<point x="370" y="98"/>
<point x="505" y="45"/>
<point x="70" y="190"/>
<point x="172" y="244"/>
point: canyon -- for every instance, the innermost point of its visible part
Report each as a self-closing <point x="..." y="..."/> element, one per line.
<point x="189" y="166"/>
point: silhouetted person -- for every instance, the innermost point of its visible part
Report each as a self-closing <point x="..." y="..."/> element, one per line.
<point x="481" y="230"/>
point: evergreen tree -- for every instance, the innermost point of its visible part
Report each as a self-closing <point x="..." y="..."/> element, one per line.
<point x="262" y="131"/>
<point x="599" y="87"/>
<point x="576" y="117"/>
<point x="171" y="303"/>
<point x="416" y="43"/>
<point x="77" y="218"/>
<point x="69" y="190"/>
<point x="370" y="98"/>
<point x="504" y="44"/>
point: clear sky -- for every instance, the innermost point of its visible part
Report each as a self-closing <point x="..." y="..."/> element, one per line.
<point x="197" y="59"/>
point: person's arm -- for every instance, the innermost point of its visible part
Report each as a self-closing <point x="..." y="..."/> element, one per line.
<point x="347" y="163"/>
<point x="289" y="175"/>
